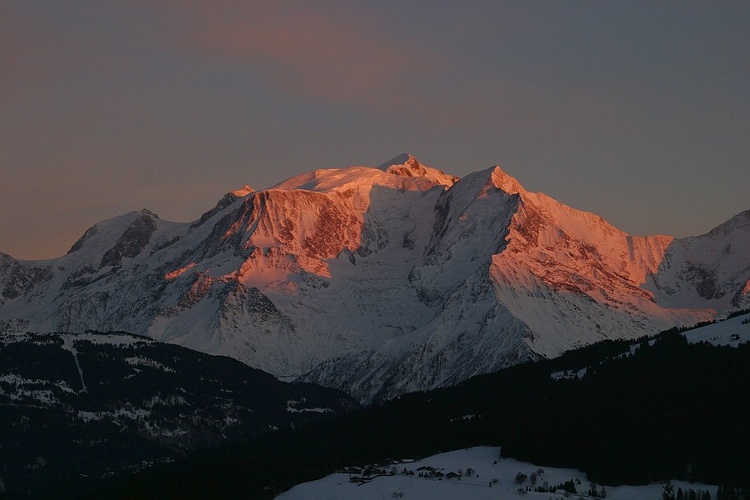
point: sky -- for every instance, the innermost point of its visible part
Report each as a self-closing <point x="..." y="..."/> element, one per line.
<point x="637" y="111"/>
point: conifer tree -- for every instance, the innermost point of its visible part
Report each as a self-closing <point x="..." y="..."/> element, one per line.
<point x="668" y="492"/>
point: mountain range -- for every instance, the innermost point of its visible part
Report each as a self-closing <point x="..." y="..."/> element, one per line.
<point x="380" y="281"/>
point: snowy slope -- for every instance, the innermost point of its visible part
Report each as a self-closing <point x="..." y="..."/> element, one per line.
<point x="492" y="478"/>
<point x="732" y="331"/>
<point x="379" y="280"/>
<point x="708" y="270"/>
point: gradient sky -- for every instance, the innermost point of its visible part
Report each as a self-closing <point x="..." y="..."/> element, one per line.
<point x="637" y="111"/>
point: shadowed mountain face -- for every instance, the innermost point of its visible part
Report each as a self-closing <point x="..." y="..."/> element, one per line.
<point x="380" y="280"/>
<point x="710" y="269"/>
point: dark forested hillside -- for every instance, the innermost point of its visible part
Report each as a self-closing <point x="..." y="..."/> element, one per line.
<point x="667" y="409"/>
<point x="74" y="408"/>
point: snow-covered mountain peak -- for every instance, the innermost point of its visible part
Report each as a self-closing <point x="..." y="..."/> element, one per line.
<point x="712" y="268"/>
<point x="484" y="182"/>
<point x="355" y="186"/>
<point x="740" y="222"/>
<point x="105" y="233"/>
<point x="242" y="192"/>
<point x="410" y="175"/>
<point x="507" y="183"/>
<point x="407" y="165"/>
<point x="402" y="159"/>
<point x="330" y="180"/>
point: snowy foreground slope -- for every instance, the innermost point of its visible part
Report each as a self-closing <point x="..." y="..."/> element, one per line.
<point x="492" y="478"/>
<point x="732" y="332"/>
<point x="380" y="280"/>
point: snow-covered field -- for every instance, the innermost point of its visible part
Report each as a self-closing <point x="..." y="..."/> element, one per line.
<point x="492" y="478"/>
<point x="728" y="332"/>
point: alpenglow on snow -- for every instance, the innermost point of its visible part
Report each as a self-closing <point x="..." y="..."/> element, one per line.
<point x="380" y="280"/>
